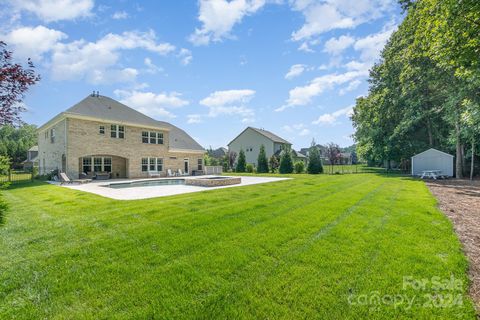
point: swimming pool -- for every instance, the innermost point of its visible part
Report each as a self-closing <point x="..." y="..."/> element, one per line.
<point x="146" y="183"/>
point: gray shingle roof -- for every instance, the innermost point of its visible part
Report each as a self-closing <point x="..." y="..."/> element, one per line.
<point x="106" y="108"/>
<point x="270" y="135"/>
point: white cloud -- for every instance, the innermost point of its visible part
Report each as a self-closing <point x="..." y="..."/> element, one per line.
<point x="351" y="86"/>
<point x="119" y="15"/>
<point x="194" y="118"/>
<point x="335" y="46"/>
<point x="150" y="103"/>
<point x="151" y="67"/>
<point x="81" y="59"/>
<point x="300" y="129"/>
<point x="371" y="46"/>
<point x="33" y="42"/>
<point x="295" y="71"/>
<point x="300" y="96"/>
<point x="218" y="18"/>
<point x="185" y="56"/>
<point x="230" y="102"/>
<point x="331" y="118"/>
<point x="323" y="16"/>
<point x="305" y="48"/>
<point x="55" y="10"/>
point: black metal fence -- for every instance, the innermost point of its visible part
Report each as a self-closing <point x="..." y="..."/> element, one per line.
<point x="14" y="176"/>
<point x="357" y="168"/>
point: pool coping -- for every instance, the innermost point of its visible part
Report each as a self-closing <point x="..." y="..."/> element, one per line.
<point x="147" y="192"/>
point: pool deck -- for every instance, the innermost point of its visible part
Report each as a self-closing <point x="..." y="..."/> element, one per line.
<point x="146" y="192"/>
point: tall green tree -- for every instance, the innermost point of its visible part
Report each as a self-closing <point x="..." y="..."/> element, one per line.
<point x="286" y="162"/>
<point x="262" y="161"/>
<point x="314" y="161"/>
<point x="15" y="141"/>
<point x="242" y="162"/>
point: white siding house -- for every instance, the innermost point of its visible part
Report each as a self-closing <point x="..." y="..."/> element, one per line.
<point x="250" y="140"/>
<point x="432" y="159"/>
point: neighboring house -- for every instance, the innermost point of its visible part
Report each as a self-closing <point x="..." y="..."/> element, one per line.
<point x="99" y="134"/>
<point x="297" y="156"/>
<point x="218" y="153"/>
<point x="32" y="158"/>
<point x="250" y="141"/>
<point x="432" y="159"/>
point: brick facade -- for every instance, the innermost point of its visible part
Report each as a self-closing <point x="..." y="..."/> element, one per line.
<point x="77" y="138"/>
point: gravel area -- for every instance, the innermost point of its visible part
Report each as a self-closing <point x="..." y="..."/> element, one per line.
<point x="460" y="201"/>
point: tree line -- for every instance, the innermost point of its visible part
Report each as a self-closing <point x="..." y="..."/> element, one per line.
<point x="425" y="90"/>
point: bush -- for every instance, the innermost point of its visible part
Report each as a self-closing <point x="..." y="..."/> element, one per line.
<point x="249" y="168"/>
<point x="242" y="162"/>
<point x="286" y="163"/>
<point x="3" y="204"/>
<point x="299" y="167"/>
<point x="273" y="163"/>
<point x="314" y="161"/>
<point x="262" y="166"/>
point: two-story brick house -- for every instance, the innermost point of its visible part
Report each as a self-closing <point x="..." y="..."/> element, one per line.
<point x="99" y="134"/>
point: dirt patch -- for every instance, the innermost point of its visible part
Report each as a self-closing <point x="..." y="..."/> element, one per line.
<point x="460" y="201"/>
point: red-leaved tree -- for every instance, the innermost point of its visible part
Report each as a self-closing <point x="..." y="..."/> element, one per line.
<point x="14" y="82"/>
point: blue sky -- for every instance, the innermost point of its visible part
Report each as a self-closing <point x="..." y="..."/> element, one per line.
<point x="210" y="67"/>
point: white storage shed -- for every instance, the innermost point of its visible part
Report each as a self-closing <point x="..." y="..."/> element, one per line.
<point x="432" y="159"/>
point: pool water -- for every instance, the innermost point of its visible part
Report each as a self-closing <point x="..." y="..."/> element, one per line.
<point x="149" y="183"/>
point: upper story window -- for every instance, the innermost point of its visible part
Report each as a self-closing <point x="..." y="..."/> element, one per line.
<point x="152" y="137"/>
<point x="52" y="135"/>
<point x="117" y="131"/>
<point x="46" y="134"/>
<point x="101" y="129"/>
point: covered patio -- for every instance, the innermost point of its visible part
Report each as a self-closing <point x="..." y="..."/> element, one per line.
<point x="107" y="166"/>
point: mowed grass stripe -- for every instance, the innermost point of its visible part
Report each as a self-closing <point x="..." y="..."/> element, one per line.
<point x="248" y="259"/>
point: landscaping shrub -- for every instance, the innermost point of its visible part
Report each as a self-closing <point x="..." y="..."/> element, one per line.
<point x="3" y="204"/>
<point x="299" y="167"/>
<point x="242" y="162"/>
<point x="273" y="163"/>
<point x="249" y="168"/>
<point x="286" y="163"/>
<point x="262" y="165"/>
<point x="314" y="161"/>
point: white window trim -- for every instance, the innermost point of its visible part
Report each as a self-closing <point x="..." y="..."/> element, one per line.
<point x="156" y="137"/>
<point x="117" y="131"/>
<point x="148" y="164"/>
<point x="92" y="163"/>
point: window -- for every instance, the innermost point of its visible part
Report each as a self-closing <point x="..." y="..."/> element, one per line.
<point x="87" y="165"/>
<point x="97" y="164"/>
<point x="153" y="164"/>
<point x="107" y="164"/>
<point x="160" y="164"/>
<point x="117" y="131"/>
<point x="46" y="134"/>
<point x="153" y="137"/>
<point x="101" y="130"/>
<point x="52" y="135"/>
<point x="144" y="164"/>
<point x="200" y="164"/>
<point x="145" y="137"/>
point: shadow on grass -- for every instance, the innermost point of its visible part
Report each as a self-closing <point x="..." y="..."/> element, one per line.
<point x="25" y="184"/>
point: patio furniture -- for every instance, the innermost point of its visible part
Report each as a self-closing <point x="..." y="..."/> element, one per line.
<point x="102" y="175"/>
<point x="64" y="179"/>
<point x="170" y="173"/>
<point x="433" y="174"/>
<point x="154" y="174"/>
<point x="181" y="173"/>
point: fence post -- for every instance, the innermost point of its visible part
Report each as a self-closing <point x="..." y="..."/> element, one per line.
<point x="10" y="175"/>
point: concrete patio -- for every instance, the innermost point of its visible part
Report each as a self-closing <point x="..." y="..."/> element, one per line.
<point x="144" y="192"/>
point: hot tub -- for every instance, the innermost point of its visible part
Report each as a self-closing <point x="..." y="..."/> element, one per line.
<point x="213" y="181"/>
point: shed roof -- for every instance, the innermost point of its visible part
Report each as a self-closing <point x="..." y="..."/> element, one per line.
<point x="432" y="149"/>
<point x="265" y="133"/>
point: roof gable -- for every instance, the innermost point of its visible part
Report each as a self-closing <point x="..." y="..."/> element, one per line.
<point x="430" y="150"/>
<point x="269" y="135"/>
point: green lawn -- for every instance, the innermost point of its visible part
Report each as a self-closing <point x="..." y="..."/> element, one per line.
<point x="301" y="248"/>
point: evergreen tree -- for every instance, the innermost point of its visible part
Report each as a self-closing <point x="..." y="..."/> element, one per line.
<point x="242" y="162"/>
<point x="262" y="162"/>
<point x="286" y="163"/>
<point x="314" y="160"/>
